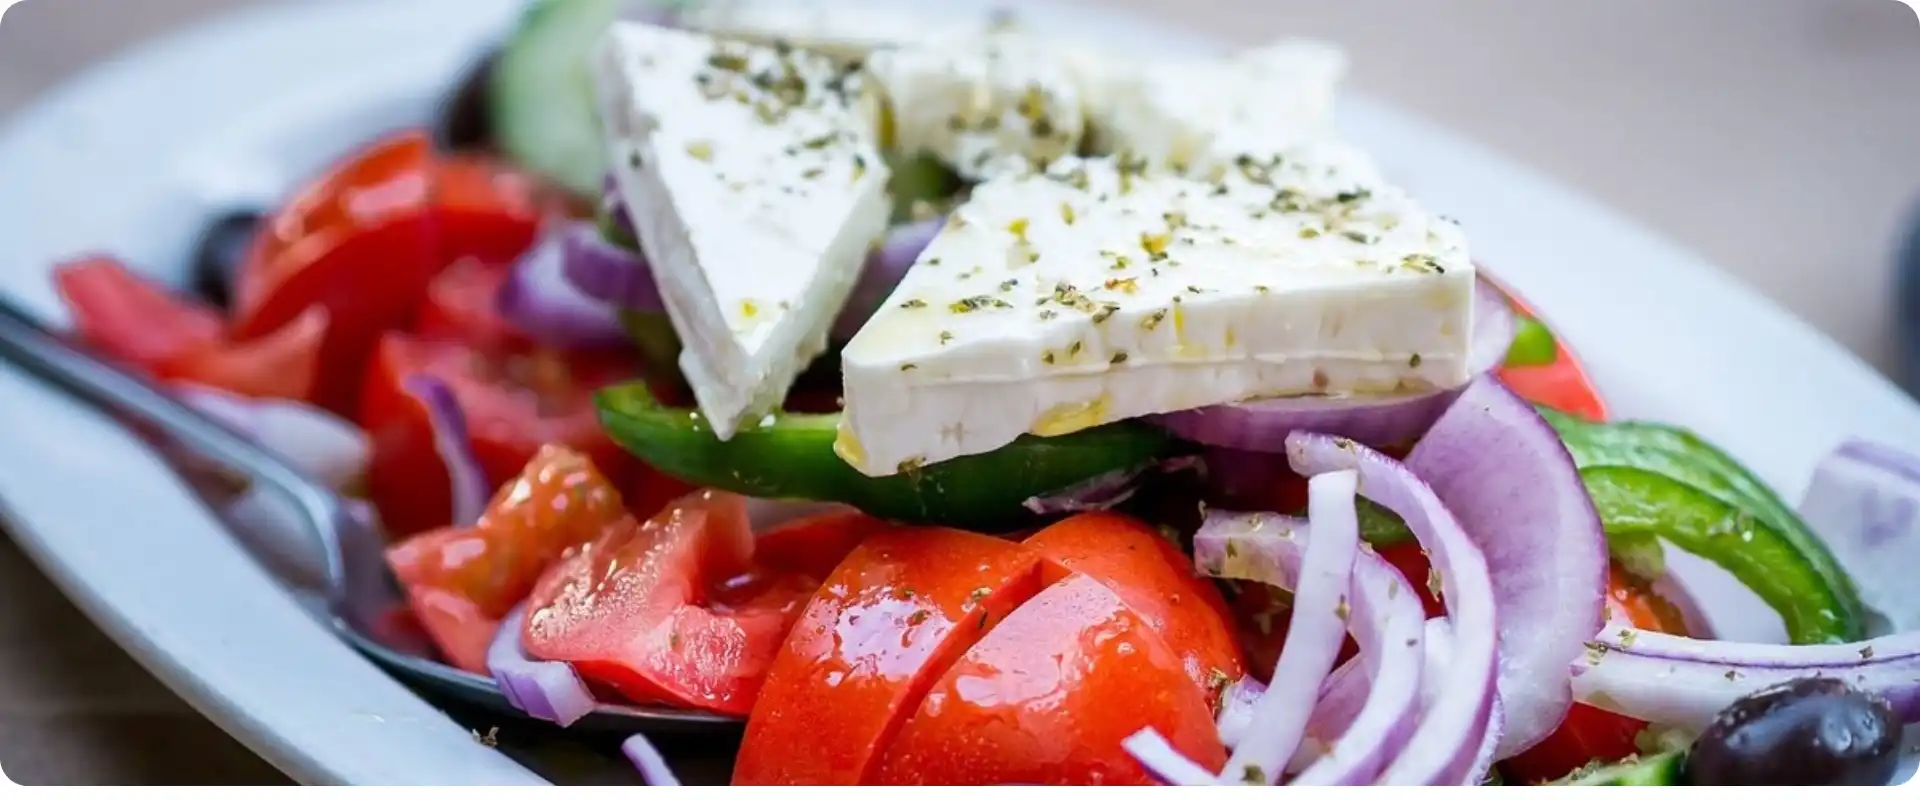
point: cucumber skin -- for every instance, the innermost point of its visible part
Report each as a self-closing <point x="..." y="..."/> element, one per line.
<point x="544" y="114"/>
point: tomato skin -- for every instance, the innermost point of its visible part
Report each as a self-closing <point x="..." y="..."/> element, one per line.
<point x="657" y="611"/>
<point x="285" y="363"/>
<point x="462" y="581"/>
<point x="1590" y="733"/>
<point x="460" y="306"/>
<point x="514" y="403"/>
<point x="1048" y="695"/>
<point x="1156" y="580"/>
<point x="147" y="329"/>
<point x="364" y="242"/>
<point x="1563" y="385"/>
<point x="889" y="620"/>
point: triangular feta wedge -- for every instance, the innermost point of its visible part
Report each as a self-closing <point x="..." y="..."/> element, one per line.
<point x="1197" y="115"/>
<point x="1100" y="291"/>
<point x="756" y="188"/>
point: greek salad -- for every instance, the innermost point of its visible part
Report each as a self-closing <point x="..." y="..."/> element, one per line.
<point x="951" y="403"/>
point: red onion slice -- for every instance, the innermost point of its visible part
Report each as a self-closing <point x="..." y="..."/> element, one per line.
<point x="539" y="299"/>
<point x="1674" y="680"/>
<point x="1503" y="472"/>
<point x="548" y="690"/>
<point x="1864" y="501"/>
<point x="1164" y="763"/>
<point x="1458" y="718"/>
<point x="450" y="440"/>
<point x="608" y="272"/>
<point x="653" y="767"/>
<point x="1376" y="421"/>
<point x="1365" y="725"/>
<point x="1236" y="709"/>
<point x="1315" y="632"/>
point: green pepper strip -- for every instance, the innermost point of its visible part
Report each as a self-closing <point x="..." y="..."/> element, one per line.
<point x="791" y="456"/>
<point x="1380" y="527"/>
<point x="1659" y="769"/>
<point x="1636" y="504"/>
<point x="1831" y="611"/>
<point x="1533" y="345"/>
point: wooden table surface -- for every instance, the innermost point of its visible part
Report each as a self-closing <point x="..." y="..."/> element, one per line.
<point x="1776" y="137"/>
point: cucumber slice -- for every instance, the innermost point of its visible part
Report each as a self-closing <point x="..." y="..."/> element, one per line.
<point x="543" y="100"/>
<point x="1662" y="769"/>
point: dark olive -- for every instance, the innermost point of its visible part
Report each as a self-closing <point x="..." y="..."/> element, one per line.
<point x="218" y="253"/>
<point x="1806" y="732"/>
<point x="464" y="120"/>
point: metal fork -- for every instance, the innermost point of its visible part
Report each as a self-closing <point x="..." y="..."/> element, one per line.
<point x="359" y="591"/>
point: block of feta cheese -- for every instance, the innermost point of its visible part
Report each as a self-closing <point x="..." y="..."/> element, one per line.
<point x="756" y="188"/>
<point x="845" y="30"/>
<point x="1003" y="102"/>
<point x="1198" y="115"/>
<point x="1101" y="291"/>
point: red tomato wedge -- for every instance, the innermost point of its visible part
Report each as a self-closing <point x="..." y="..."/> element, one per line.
<point x="1590" y="733"/>
<point x="888" y="621"/>
<point x="1156" y="580"/>
<point x="143" y="327"/>
<point x="364" y="242"/>
<point x="462" y="581"/>
<point x="1048" y="696"/>
<point x="514" y="403"/>
<point x="1562" y="385"/>
<point x="461" y="306"/>
<point x="660" y="611"/>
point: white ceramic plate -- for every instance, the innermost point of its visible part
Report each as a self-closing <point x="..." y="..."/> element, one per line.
<point x="133" y="158"/>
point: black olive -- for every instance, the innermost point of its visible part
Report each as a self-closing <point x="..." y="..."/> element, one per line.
<point x="1805" y="732"/>
<point x="218" y="253"/>
<point x="464" y="120"/>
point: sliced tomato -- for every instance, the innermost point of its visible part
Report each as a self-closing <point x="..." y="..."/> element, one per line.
<point x="460" y="306"/>
<point x="1589" y="733"/>
<point x="143" y="327"/>
<point x="1156" y="580"/>
<point x="884" y="625"/>
<point x="653" y="611"/>
<point x="1412" y="563"/>
<point x="365" y="241"/>
<point x="462" y="581"/>
<point x="1562" y="385"/>
<point x="514" y="404"/>
<point x="1049" y="694"/>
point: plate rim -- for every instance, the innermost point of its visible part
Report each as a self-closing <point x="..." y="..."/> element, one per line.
<point x="1863" y="399"/>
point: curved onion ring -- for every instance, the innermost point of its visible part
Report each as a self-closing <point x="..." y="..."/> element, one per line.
<point x="1674" y="680"/>
<point x="467" y="481"/>
<point x="548" y="690"/>
<point x="1502" y="471"/>
<point x="1367" y="728"/>
<point x="1315" y="631"/>
<point x="1458" y="719"/>
<point x="540" y="300"/>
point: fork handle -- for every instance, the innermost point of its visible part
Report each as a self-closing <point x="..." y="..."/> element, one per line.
<point x="24" y="341"/>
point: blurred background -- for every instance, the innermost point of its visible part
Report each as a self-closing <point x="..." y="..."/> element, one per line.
<point x="1779" y="139"/>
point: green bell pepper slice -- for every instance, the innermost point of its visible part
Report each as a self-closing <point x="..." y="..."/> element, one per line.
<point x="1684" y="458"/>
<point x="1638" y="505"/>
<point x="1533" y="345"/>
<point x="791" y="456"/>
<point x="1659" y="769"/>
